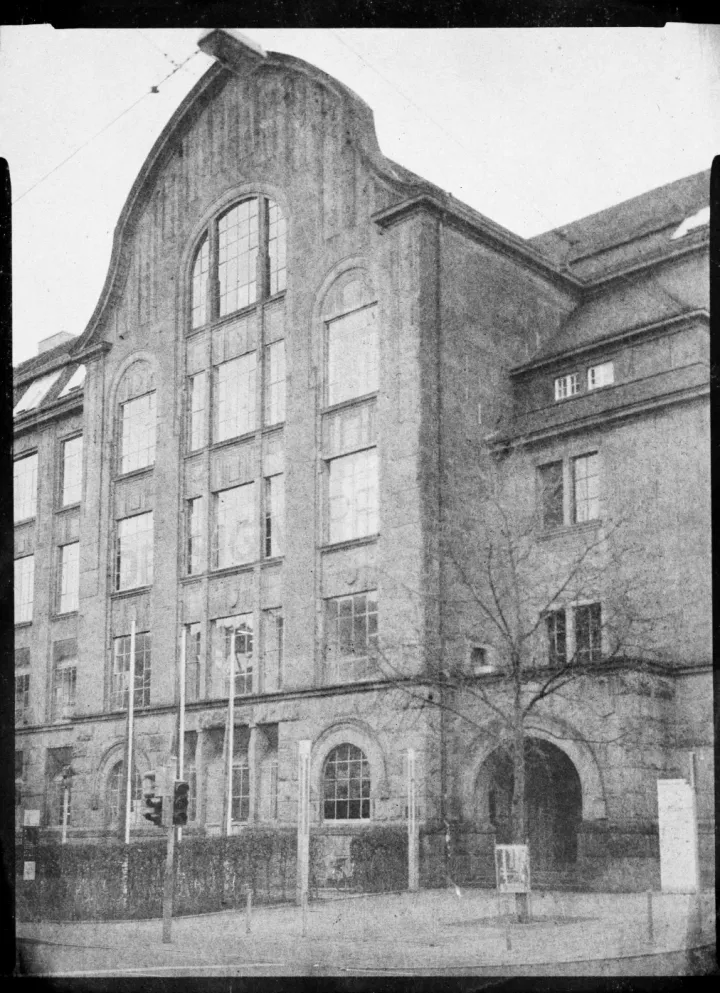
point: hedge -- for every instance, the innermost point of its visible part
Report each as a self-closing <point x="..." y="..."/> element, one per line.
<point x="381" y="860"/>
<point x="111" y="881"/>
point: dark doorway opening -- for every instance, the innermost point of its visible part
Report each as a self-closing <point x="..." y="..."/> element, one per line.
<point x="553" y="802"/>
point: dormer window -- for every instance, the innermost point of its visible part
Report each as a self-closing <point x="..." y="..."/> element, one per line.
<point x="36" y="392"/>
<point x="240" y="260"/>
<point x="566" y="386"/>
<point x="600" y="375"/>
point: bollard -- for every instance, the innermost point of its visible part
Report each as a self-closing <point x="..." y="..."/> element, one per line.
<point x="248" y="911"/>
<point x="650" y="929"/>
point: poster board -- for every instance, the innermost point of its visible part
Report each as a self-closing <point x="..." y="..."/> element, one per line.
<point x="679" y="868"/>
<point x="31" y="839"/>
<point x="512" y="868"/>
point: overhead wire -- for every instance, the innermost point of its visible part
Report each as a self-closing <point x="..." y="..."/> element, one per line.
<point x="152" y="90"/>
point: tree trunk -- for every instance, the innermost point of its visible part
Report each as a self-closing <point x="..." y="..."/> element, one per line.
<point x="517" y="816"/>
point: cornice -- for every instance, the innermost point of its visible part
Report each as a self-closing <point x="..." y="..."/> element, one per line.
<point x="63" y="407"/>
<point x="92" y="352"/>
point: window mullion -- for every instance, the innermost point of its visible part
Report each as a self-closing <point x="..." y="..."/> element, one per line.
<point x="263" y="256"/>
<point x="213" y="285"/>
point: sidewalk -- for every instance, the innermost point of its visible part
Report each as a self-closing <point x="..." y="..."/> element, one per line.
<point x="436" y="931"/>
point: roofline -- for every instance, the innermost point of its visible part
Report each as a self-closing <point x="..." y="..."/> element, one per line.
<point x="699" y="244"/>
<point x="472" y="222"/>
<point x="666" y="324"/>
<point x="27" y="375"/>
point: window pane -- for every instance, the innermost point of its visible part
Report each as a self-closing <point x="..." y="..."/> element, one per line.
<point x="196" y="411"/>
<point x="121" y="671"/>
<point x="134" y="555"/>
<point x="25" y="487"/>
<point x="350" y="636"/>
<point x="24" y="588"/>
<point x="588" y="626"/>
<point x="69" y="578"/>
<point x="277" y="248"/>
<point x="274" y="515"/>
<point x="233" y="654"/>
<point x="64" y="677"/>
<point x="235" y="530"/>
<point x="346" y="779"/>
<point x="555" y="625"/>
<point x="237" y="256"/>
<point x="195" y="543"/>
<point x="72" y="471"/>
<point x="586" y="488"/>
<point x="353" y="355"/>
<point x="551" y="494"/>
<point x="274" y="383"/>
<point x="201" y="269"/>
<point x="353" y="496"/>
<point x="36" y="391"/>
<point x="137" y="433"/>
<point x="235" y="397"/>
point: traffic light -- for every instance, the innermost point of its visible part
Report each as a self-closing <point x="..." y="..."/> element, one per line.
<point x="181" y="800"/>
<point x="153" y="802"/>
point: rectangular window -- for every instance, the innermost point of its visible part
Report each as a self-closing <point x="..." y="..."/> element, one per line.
<point x="121" y="671"/>
<point x="134" y="552"/>
<point x="24" y="588"/>
<point x="69" y="586"/>
<point x="71" y="471"/>
<point x="19" y="776"/>
<point x="550" y="479"/>
<point x="351" y="635"/>
<point x="556" y="636"/>
<point x="64" y="678"/>
<point x="586" y="479"/>
<point x="274" y="411"/>
<point x="352" y="355"/>
<point x="600" y="375"/>
<point x="57" y="764"/>
<point x="25" y="487"/>
<point x="588" y="631"/>
<point x="566" y="386"/>
<point x="195" y="543"/>
<point x="353" y="495"/>
<point x="235" y="397"/>
<point x="201" y="269"/>
<point x="233" y="652"/>
<point x="240" y="789"/>
<point x="196" y="411"/>
<point x="273" y="789"/>
<point x="137" y="433"/>
<point x="277" y="248"/>
<point x="234" y="538"/>
<point x="190" y="772"/>
<point x="237" y="256"/>
<point x="273" y="635"/>
<point x="22" y="698"/>
<point x="274" y="536"/>
<point x="193" y="660"/>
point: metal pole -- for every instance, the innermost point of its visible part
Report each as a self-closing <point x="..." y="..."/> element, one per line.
<point x="303" y="828"/>
<point x="66" y="797"/>
<point x="168" y="884"/>
<point x="231" y="746"/>
<point x="130" y="721"/>
<point x="181" y="716"/>
<point x="248" y="910"/>
<point x="413" y="881"/>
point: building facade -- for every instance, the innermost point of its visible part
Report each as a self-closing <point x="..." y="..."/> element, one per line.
<point x="272" y="446"/>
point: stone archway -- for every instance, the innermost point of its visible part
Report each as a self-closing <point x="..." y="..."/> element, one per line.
<point x="553" y="808"/>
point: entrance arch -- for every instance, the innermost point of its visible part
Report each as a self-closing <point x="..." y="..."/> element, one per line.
<point x="553" y="801"/>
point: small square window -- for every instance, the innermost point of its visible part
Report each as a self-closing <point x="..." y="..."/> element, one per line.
<point x="566" y="386"/>
<point x="600" y="375"/>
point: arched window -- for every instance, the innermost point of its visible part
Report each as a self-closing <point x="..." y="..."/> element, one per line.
<point x="114" y="796"/>
<point x="240" y="260"/>
<point x="136" y="418"/>
<point x="346" y="785"/>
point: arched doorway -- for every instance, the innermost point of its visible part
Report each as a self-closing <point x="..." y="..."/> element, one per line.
<point x="553" y="801"/>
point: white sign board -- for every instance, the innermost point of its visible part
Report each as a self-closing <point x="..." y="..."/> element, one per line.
<point x="512" y="868"/>
<point x="31" y="818"/>
<point x="28" y="870"/>
<point x="678" y="836"/>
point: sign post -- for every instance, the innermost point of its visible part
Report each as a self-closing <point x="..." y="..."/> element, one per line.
<point x="31" y="839"/>
<point x="413" y="847"/>
<point x="167" y="788"/>
<point x="303" y="829"/>
<point x="512" y="874"/>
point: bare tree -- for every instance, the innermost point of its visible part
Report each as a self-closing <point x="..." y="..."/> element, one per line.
<point x="511" y="587"/>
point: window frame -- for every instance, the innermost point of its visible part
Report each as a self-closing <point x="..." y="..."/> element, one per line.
<point x="567" y="386"/>
<point x="204" y="287"/>
<point x="25" y="457"/>
<point x="350" y="666"/>
<point x="609" y="364"/>
<point x="118" y="556"/>
<point x="336" y="495"/>
<point x="590" y="501"/>
<point x="64" y="580"/>
<point x="143" y="673"/>
<point x="27" y="584"/>
<point x="195" y="538"/>
<point x="62" y="665"/>
<point x="593" y="653"/>
<point x="370" y="373"/>
<point x="63" y="502"/>
<point x="363" y="800"/>
<point x="556" y="659"/>
<point x="250" y="530"/>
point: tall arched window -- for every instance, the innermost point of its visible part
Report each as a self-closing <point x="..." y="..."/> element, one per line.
<point x="114" y="797"/>
<point x="136" y="418"/>
<point x="346" y="785"/>
<point x="240" y="260"/>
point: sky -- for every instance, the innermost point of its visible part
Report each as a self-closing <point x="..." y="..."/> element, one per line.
<point x="532" y="127"/>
